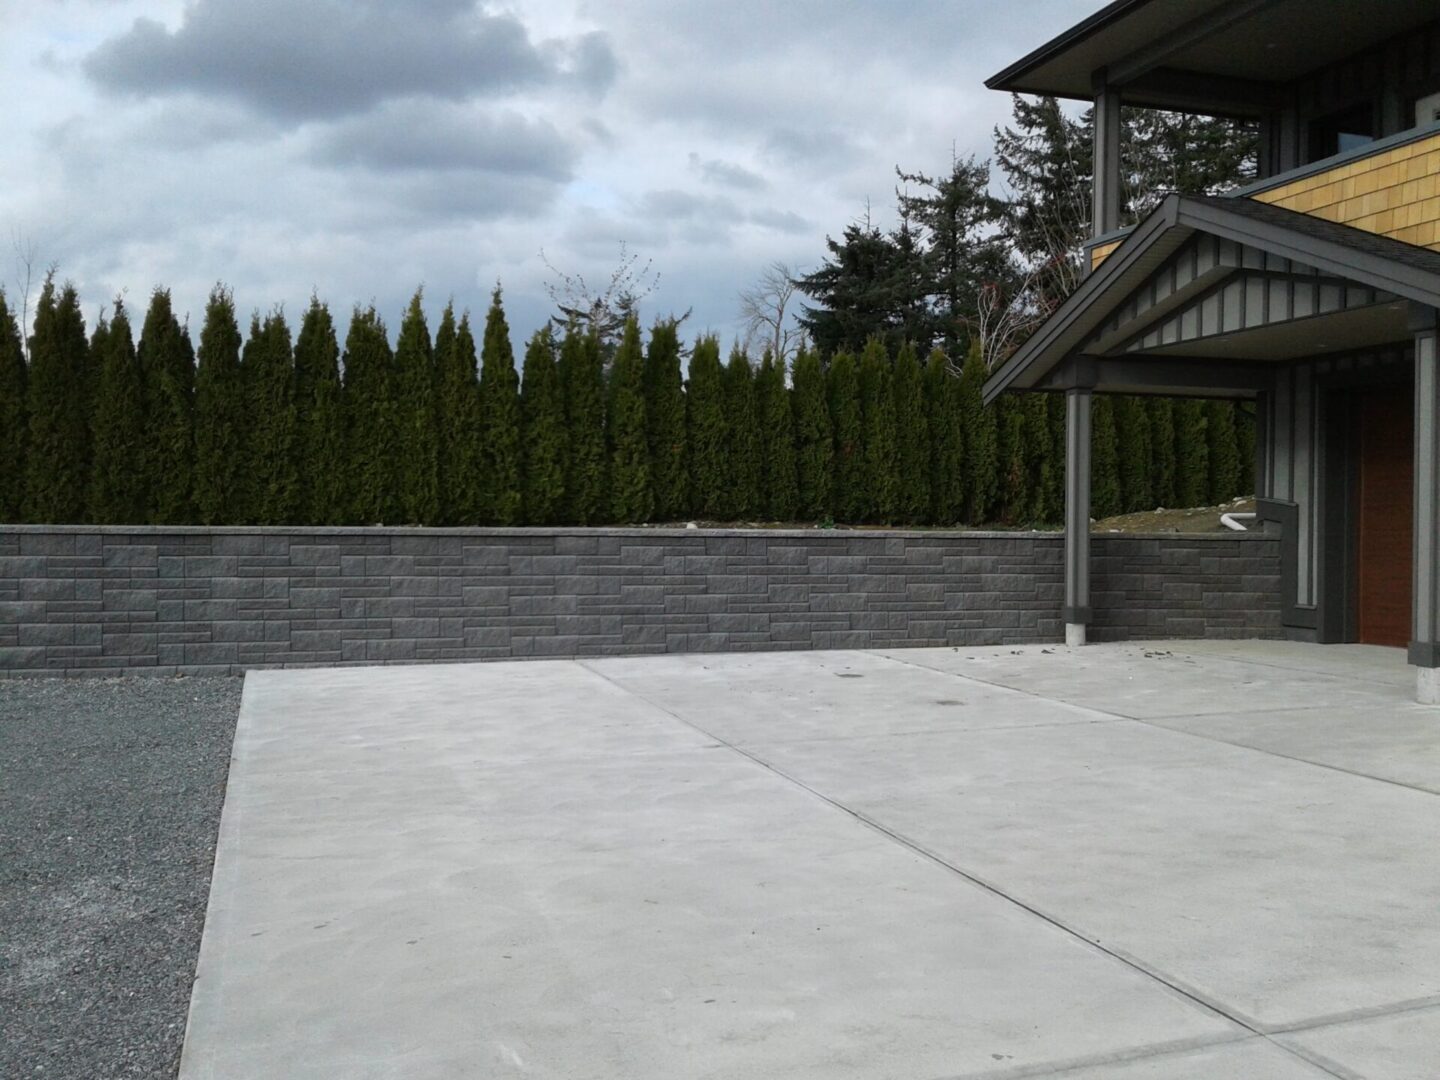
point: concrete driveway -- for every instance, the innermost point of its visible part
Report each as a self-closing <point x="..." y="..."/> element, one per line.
<point x="1182" y="860"/>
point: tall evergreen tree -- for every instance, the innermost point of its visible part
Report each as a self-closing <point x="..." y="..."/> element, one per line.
<point x="978" y="422"/>
<point x="847" y="423"/>
<point x="1013" y="454"/>
<point x="1104" y="459"/>
<point x="167" y="361"/>
<point x="370" y="425"/>
<point x="1054" y="511"/>
<point x="1162" y="448"/>
<point x="878" y="438"/>
<point x="220" y="414"/>
<point x="1192" y="454"/>
<point x="59" y="394"/>
<point x="582" y="382"/>
<point x="814" y="439"/>
<point x="542" y="411"/>
<point x="1245" y="441"/>
<point x="631" y="498"/>
<point x="1040" y="461"/>
<point x="13" y="424"/>
<point x="268" y="369"/>
<point x="417" y="449"/>
<point x="118" y="474"/>
<point x="947" y="442"/>
<point x="913" y="496"/>
<point x="499" y="420"/>
<point x="706" y="431"/>
<point x="460" y="426"/>
<point x="1132" y="431"/>
<point x="1223" y="451"/>
<point x="779" y="494"/>
<point x="322" y="466"/>
<point x="742" y="437"/>
<point x="665" y="420"/>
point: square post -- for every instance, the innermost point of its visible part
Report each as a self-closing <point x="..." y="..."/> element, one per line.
<point x="1424" y="650"/>
<point x="1077" y="515"/>
<point x="1105" y="217"/>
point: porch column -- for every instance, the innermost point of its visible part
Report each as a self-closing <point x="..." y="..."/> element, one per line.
<point x="1077" y="515"/>
<point x="1105" y="217"/>
<point x="1425" y="591"/>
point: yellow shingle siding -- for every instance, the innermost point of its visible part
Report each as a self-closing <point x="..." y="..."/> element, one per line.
<point x="1099" y="254"/>
<point x="1395" y="193"/>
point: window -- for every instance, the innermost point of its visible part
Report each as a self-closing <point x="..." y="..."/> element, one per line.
<point x="1427" y="110"/>
<point x="1341" y="131"/>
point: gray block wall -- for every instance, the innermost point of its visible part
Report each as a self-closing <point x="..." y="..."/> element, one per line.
<point x="95" y="601"/>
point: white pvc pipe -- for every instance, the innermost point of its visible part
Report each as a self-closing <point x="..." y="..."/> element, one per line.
<point x="1232" y="521"/>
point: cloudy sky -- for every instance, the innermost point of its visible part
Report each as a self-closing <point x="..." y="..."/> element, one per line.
<point x="358" y="148"/>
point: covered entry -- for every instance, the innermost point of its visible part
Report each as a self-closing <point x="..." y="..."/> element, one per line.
<point x="1384" y="515"/>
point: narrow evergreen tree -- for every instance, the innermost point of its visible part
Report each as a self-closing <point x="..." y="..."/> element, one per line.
<point x="947" y="442"/>
<point x="542" y="412"/>
<point x="13" y="425"/>
<point x="1192" y="454"/>
<point x="58" y="389"/>
<point x="1245" y="442"/>
<point x="370" y="428"/>
<point x="1055" y="487"/>
<point x="878" y="438"/>
<point x="814" y="439"/>
<point x="978" y="422"/>
<point x="1104" y="459"/>
<point x="167" y="362"/>
<point x="1013" y="455"/>
<point x="1039" y="459"/>
<point x="219" y="415"/>
<point x="778" y="492"/>
<point x="1162" y="447"/>
<point x="665" y="420"/>
<point x="499" y="420"/>
<point x="742" y="437"/>
<point x="118" y="474"/>
<point x="631" y="499"/>
<point x="913" y="494"/>
<point x="1132" y="431"/>
<point x="417" y="450"/>
<point x="706" y="431"/>
<point x="582" y="381"/>
<point x="1223" y="451"/>
<point x="268" y="367"/>
<point x="322" y="466"/>
<point x="851" y="490"/>
<point x="460" y="426"/>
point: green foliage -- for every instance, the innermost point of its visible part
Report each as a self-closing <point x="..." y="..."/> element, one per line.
<point x="118" y="478"/>
<point x="322" y="466"/>
<point x="947" y="442"/>
<point x="58" y="398"/>
<point x="851" y="498"/>
<point x="1132" y="431"/>
<point x="913" y="495"/>
<point x="1245" y="445"/>
<point x="499" y="421"/>
<point x="14" y="431"/>
<point x="542" y="411"/>
<point x="460" y="430"/>
<point x="1192" y="454"/>
<point x="1053" y="510"/>
<point x="665" y="421"/>
<point x="219" y="415"/>
<point x="370" y="427"/>
<point x="267" y="368"/>
<point x="1040" y="463"/>
<point x="706" y="431"/>
<point x="1013" y="452"/>
<point x="878" y="436"/>
<point x="779" y="494"/>
<point x="631" y="499"/>
<point x="982" y="452"/>
<point x="416" y="445"/>
<point x="582" y="382"/>
<point x="167" y="362"/>
<point x="742" y="438"/>
<point x="1162" y="447"/>
<point x="1104" y="459"/>
<point x="814" y="438"/>
<point x="1223" y="451"/>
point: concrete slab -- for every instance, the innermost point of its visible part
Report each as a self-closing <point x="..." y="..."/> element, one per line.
<point x="1252" y="1059"/>
<point x="1402" y="1046"/>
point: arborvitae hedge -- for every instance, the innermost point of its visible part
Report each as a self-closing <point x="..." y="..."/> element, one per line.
<point x="14" y="428"/>
<point x="542" y="411"/>
<point x="878" y="437"/>
<point x="665" y="421"/>
<point x="459" y="430"/>
<point x="706" y="432"/>
<point x="913" y="496"/>
<point x="320" y="421"/>
<point x="814" y="439"/>
<point x="118" y="488"/>
<point x="1105" y="491"/>
<point x="220" y="414"/>
<point x="268" y="368"/>
<point x="1013" y="456"/>
<point x="167" y="361"/>
<point x="742" y="438"/>
<point x="947" y="442"/>
<point x="500" y="421"/>
<point x="1192" y="454"/>
<point x="417" y="476"/>
<point x="851" y="492"/>
<point x="1132" y="433"/>
<point x="631" y="499"/>
<point x="1162" y="451"/>
<point x="981" y="444"/>
<point x="779" y="494"/>
<point x="582" y="382"/>
<point x="57" y="474"/>
<point x="1223" y="451"/>
<point x="370" y="427"/>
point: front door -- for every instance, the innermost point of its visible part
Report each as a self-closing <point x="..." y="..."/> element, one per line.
<point x="1385" y="514"/>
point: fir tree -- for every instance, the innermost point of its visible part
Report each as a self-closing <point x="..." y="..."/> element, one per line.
<point x="742" y="437"/>
<point x="631" y="499"/>
<point x="167" y="361"/>
<point x="814" y="439"/>
<point x="978" y="422"/>
<point x="1104" y="459"/>
<point x="1162" y="448"/>
<point x="58" y="390"/>
<point x="1192" y="454"/>
<point x="117" y="479"/>
<point x="323" y="498"/>
<point x="499" y="420"/>
<point x="219" y="415"/>
<point x="582" y="382"/>
<point x="665" y="421"/>
<point x="706" y="430"/>
<point x="947" y="442"/>
<point x="1132" y="430"/>
<point x="1223" y="451"/>
<point x="913" y="496"/>
<point x="846" y="422"/>
<point x="416" y="450"/>
<point x="370" y="425"/>
<point x="268" y="369"/>
<point x="778" y="492"/>
<point x="878" y="436"/>
<point x="13" y="426"/>
<point x="542" y="411"/>
<point x="460" y="433"/>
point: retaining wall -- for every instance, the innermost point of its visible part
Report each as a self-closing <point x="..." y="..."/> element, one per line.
<point x="91" y="601"/>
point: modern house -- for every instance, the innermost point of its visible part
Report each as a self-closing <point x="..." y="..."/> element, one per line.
<point x="1313" y="292"/>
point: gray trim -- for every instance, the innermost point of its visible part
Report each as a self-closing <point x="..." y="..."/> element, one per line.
<point x="1335" y="161"/>
<point x="1156" y="53"/>
<point x="1086" y="28"/>
<point x="1105" y="191"/>
<point x="1286" y="515"/>
<point x="1425" y="587"/>
<point x="1077" y="503"/>
<point x="1077" y="616"/>
<point x="1167" y="376"/>
<point x="1423" y="654"/>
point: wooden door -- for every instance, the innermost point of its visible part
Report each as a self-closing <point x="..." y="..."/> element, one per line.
<point x="1386" y="514"/>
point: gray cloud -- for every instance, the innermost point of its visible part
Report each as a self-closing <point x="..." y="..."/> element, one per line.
<point x="727" y="174"/>
<point x="809" y="149"/>
<point x="331" y="58"/>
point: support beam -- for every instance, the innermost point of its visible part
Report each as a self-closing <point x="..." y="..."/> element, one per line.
<point x="1105" y="217"/>
<point x="1077" y="515"/>
<point x="1197" y="31"/>
<point x="1425" y="592"/>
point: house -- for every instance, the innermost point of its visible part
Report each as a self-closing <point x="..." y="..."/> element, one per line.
<point x="1313" y="292"/>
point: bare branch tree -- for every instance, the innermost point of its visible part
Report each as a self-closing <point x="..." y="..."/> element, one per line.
<point x="764" y="307"/>
<point x="25" y="255"/>
<point x="605" y="311"/>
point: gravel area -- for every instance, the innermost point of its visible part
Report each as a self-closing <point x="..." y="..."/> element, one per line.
<point x="110" y="795"/>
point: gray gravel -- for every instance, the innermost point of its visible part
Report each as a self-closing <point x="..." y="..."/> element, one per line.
<point x="110" y="795"/>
